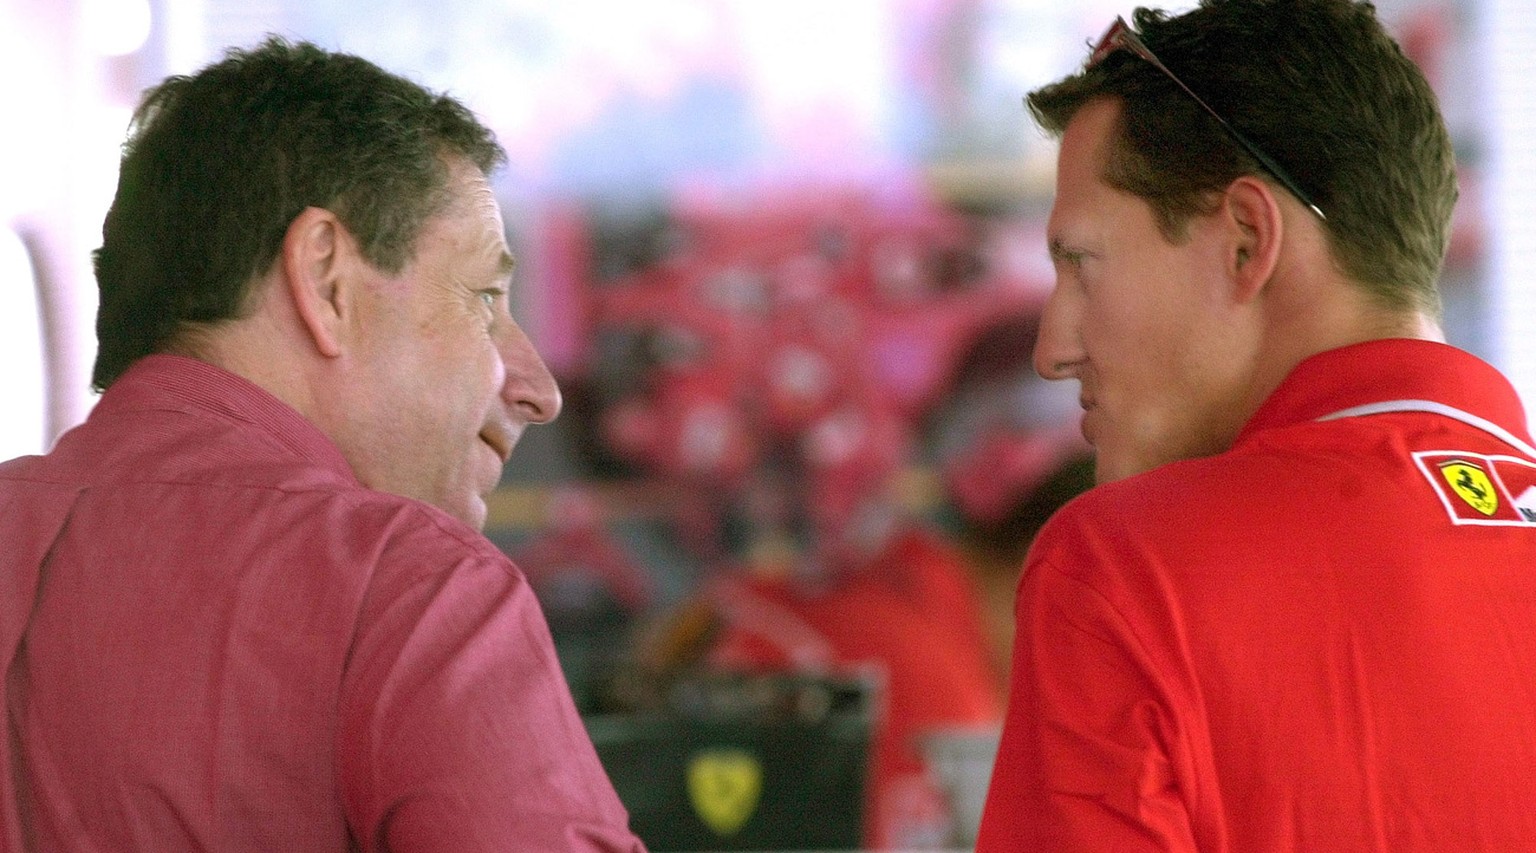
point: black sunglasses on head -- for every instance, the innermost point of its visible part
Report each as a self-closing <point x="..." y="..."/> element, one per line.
<point x="1120" y="36"/>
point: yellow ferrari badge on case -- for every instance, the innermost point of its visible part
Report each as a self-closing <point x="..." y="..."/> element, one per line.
<point x="724" y="785"/>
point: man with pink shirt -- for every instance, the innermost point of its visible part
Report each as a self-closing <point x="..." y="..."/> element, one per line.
<point x="246" y="605"/>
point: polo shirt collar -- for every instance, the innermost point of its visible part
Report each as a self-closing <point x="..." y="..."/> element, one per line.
<point x="1386" y="370"/>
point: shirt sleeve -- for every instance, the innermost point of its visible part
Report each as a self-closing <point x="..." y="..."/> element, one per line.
<point x="1089" y="753"/>
<point x="458" y="730"/>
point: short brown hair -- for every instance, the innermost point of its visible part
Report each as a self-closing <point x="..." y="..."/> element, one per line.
<point x="1320" y="87"/>
<point x="219" y="163"/>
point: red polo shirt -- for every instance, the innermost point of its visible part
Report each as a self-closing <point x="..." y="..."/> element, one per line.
<point x="1322" y="639"/>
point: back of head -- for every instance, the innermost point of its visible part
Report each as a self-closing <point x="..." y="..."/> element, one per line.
<point x="219" y="163"/>
<point x="1320" y="87"/>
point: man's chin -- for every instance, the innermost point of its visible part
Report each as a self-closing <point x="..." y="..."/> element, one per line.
<point x="1103" y="472"/>
<point x="1109" y="466"/>
<point x="471" y="510"/>
<point x="475" y="514"/>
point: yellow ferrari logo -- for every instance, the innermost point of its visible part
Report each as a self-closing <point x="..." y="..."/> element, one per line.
<point x="1470" y="483"/>
<point x="724" y="785"/>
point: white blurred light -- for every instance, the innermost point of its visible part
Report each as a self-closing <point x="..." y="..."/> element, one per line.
<point x="115" y="27"/>
<point x="21" y="351"/>
<point x="1506" y="30"/>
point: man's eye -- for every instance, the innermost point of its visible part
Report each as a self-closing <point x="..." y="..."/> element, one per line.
<point x="489" y="297"/>
<point x="1066" y="258"/>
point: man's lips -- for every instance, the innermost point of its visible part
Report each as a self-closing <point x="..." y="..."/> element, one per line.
<point x="501" y="440"/>
<point x="1086" y="426"/>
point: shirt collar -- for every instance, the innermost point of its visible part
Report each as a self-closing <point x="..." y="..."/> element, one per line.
<point x="1391" y="369"/>
<point x="187" y="384"/>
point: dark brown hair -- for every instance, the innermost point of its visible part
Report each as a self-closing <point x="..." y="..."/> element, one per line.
<point x="1320" y="87"/>
<point x="219" y="163"/>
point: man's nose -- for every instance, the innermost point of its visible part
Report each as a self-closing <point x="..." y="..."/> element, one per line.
<point x="530" y="389"/>
<point x="1057" y="350"/>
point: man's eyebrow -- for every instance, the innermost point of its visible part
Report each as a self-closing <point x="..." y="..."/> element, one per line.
<point x="506" y="264"/>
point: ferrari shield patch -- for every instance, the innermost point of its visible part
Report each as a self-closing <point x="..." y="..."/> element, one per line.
<point x="724" y="786"/>
<point x="1470" y="483"/>
<point x="1477" y="488"/>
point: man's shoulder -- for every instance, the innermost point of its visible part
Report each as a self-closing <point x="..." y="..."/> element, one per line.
<point x="1150" y="497"/>
<point x="1250" y="472"/>
<point x="1311" y="483"/>
<point x="19" y="469"/>
<point x="1184" y="505"/>
<point x="408" y="530"/>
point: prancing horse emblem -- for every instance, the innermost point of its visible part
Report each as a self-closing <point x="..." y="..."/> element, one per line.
<point x="1470" y="483"/>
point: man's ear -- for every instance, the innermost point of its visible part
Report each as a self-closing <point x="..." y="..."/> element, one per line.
<point x="1256" y="227"/>
<point x="315" y="261"/>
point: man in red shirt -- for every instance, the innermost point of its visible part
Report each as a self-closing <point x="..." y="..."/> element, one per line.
<point x="246" y="605"/>
<point x="1299" y="611"/>
<point x="910" y="619"/>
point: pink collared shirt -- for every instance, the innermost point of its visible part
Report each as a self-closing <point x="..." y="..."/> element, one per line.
<point x="215" y="638"/>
